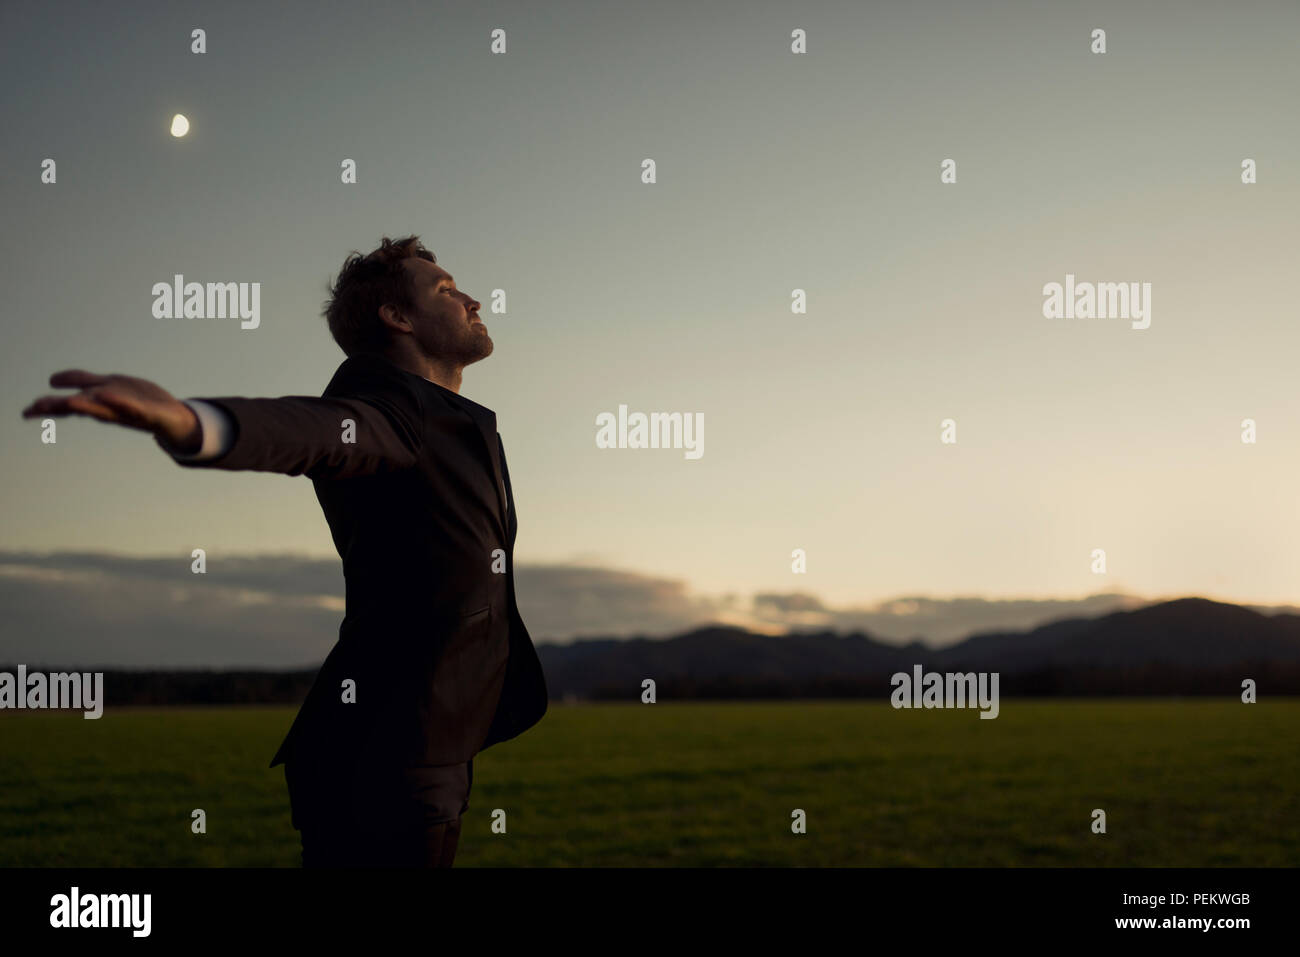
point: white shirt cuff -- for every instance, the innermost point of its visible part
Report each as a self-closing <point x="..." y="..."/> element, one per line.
<point x="218" y="432"/>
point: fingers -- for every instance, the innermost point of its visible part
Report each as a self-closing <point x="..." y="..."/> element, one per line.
<point x="47" y="405"/>
<point x="85" y="405"/>
<point x="111" y="399"/>
<point x="79" y="378"/>
<point x="71" y="405"/>
<point x="99" y="403"/>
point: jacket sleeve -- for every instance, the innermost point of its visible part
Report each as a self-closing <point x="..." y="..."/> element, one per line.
<point x="217" y="430"/>
<point x="326" y="437"/>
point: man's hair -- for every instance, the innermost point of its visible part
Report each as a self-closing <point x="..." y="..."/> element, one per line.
<point x="364" y="284"/>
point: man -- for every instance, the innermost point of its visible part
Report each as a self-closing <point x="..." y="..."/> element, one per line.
<point x="433" y="662"/>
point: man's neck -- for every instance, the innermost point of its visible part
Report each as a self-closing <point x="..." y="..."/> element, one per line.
<point x="444" y="374"/>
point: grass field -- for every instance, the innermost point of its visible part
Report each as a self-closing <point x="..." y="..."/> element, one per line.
<point x="1190" y="782"/>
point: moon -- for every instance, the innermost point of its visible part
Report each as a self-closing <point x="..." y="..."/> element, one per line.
<point x="180" y="125"/>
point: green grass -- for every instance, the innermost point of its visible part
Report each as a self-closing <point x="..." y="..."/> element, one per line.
<point x="1192" y="782"/>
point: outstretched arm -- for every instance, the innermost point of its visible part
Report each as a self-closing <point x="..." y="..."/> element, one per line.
<point x="330" y="437"/>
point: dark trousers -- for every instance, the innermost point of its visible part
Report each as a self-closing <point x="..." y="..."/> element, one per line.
<point x="402" y="817"/>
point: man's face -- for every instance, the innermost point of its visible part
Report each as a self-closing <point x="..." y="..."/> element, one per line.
<point x="445" y="324"/>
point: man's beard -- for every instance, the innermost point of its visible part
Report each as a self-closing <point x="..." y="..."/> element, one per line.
<point x="478" y="346"/>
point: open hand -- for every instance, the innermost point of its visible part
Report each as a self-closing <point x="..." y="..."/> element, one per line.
<point x="126" y="400"/>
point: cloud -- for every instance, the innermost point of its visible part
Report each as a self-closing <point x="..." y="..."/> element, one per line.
<point x="566" y="601"/>
<point x="115" y="611"/>
<point x="944" y="621"/>
<point x="283" y="611"/>
<point x="276" y="611"/>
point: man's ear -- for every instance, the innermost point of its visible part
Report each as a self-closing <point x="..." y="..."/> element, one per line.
<point x="392" y="317"/>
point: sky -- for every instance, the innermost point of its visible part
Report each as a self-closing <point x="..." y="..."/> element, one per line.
<point x="775" y="171"/>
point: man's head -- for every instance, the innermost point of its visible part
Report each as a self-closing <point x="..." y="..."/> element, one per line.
<point x="398" y="300"/>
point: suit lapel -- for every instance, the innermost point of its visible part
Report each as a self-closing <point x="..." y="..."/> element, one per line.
<point x="483" y="417"/>
<point x="510" y="498"/>
<point x="486" y="421"/>
<point x="487" y="426"/>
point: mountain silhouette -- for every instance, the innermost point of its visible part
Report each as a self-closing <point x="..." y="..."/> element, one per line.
<point x="1191" y="645"/>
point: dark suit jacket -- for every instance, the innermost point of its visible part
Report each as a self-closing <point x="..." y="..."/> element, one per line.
<point x="421" y="512"/>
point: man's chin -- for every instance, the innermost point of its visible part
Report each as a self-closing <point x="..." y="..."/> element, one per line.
<point x="480" y="350"/>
